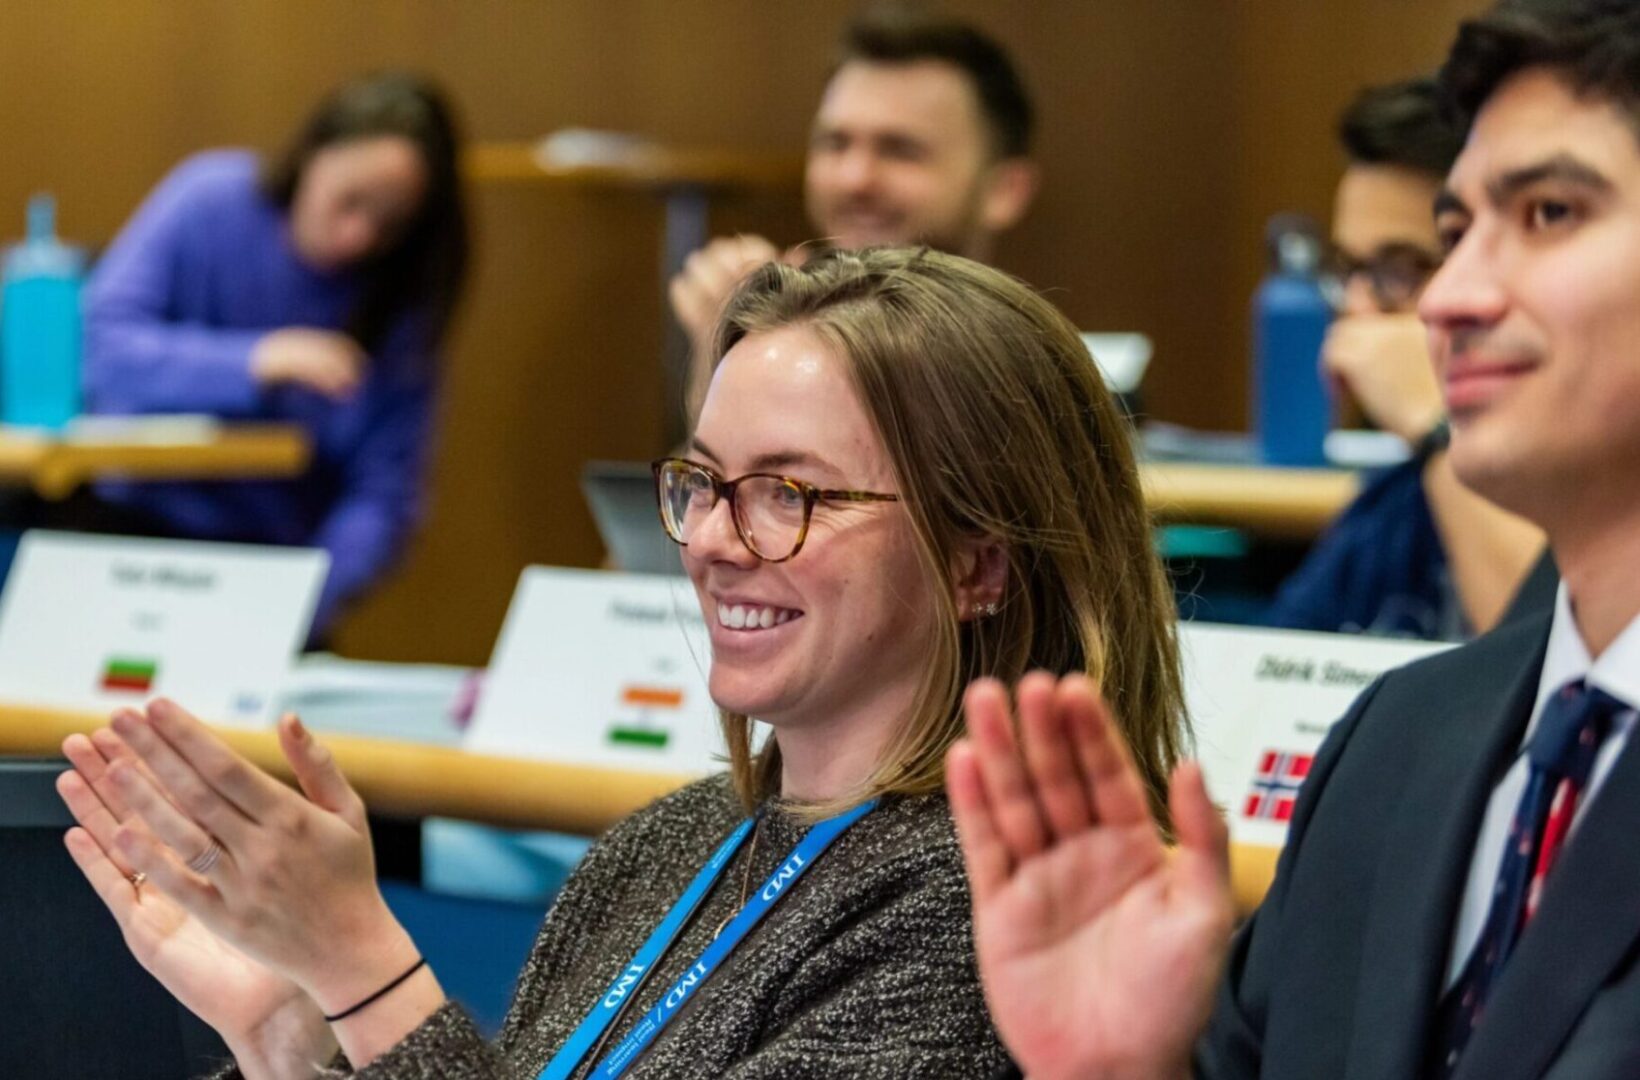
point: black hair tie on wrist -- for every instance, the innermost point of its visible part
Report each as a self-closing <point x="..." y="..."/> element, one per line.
<point x="420" y="963"/>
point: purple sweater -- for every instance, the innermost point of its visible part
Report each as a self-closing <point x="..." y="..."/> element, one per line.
<point x="201" y="272"/>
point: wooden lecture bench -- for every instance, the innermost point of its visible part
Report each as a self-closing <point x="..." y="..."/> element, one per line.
<point x="637" y="164"/>
<point x="418" y="780"/>
<point x="1294" y="503"/>
<point x="55" y="466"/>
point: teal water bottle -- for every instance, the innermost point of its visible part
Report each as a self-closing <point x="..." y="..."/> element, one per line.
<point x="40" y="325"/>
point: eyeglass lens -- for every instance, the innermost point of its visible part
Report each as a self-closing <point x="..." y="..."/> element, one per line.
<point x="769" y="511"/>
<point x="1396" y="274"/>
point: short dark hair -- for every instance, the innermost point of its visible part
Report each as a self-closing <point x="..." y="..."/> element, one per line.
<point x="1594" y="45"/>
<point x="425" y="269"/>
<point x="899" y="33"/>
<point x="1401" y="124"/>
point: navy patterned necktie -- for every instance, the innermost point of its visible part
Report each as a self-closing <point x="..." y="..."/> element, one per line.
<point x="1561" y="755"/>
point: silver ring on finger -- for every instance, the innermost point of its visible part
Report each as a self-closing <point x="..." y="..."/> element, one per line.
<point x="202" y="863"/>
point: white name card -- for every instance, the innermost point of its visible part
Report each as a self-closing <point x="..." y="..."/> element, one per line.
<point x="601" y="668"/>
<point x="1262" y="702"/>
<point x="94" y="622"/>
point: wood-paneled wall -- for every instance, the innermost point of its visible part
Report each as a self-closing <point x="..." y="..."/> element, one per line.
<point x="1170" y="130"/>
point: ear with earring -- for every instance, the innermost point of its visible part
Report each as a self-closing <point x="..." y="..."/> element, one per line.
<point x="982" y="579"/>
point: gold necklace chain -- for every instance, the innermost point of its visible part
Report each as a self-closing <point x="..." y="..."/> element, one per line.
<point x="745" y="879"/>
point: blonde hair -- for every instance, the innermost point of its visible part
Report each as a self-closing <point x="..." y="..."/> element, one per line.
<point x="997" y="425"/>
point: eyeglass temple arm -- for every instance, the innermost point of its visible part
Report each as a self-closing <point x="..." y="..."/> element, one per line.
<point x="854" y="496"/>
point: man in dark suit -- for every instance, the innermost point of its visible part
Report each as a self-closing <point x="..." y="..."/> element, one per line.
<point x="1460" y="892"/>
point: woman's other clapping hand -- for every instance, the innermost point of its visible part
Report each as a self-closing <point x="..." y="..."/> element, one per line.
<point x="248" y="869"/>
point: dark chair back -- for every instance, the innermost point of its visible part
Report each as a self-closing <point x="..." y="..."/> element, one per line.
<point x="73" y="1001"/>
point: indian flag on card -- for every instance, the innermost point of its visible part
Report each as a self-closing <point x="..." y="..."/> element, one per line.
<point x="645" y="732"/>
<point x="129" y="675"/>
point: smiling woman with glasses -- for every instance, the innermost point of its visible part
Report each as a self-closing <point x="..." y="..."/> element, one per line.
<point x="906" y="475"/>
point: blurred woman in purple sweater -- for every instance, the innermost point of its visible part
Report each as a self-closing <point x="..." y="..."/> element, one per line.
<point x="313" y="288"/>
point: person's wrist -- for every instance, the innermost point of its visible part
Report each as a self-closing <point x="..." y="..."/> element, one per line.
<point x="292" y="1041"/>
<point x="264" y="362"/>
<point x="1436" y="438"/>
<point x="357" y="973"/>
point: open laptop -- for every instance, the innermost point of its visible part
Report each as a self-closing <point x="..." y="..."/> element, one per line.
<point x="621" y="496"/>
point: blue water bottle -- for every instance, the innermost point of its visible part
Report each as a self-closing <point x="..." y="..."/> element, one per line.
<point x="40" y="325"/>
<point x="1292" y="410"/>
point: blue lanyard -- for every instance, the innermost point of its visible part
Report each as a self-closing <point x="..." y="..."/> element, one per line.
<point x="585" y="1036"/>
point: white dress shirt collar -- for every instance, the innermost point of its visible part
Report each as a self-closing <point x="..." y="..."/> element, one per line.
<point x="1616" y="671"/>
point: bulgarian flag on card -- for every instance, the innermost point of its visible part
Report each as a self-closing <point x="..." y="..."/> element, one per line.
<point x="129" y="675"/>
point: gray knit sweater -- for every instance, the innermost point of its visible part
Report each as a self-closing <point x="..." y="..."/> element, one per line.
<point x="866" y="969"/>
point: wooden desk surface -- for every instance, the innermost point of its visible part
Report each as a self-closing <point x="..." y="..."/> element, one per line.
<point x="643" y="166"/>
<point x="1297" y="503"/>
<point x="412" y="779"/>
<point x="415" y="780"/>
<point x="55" y="467"/>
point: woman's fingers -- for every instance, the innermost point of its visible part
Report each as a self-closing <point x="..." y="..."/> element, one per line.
<point x="143" y="851"/>
<point x="91" y="755"/>
<point x="316" y="771"/>
<point x="252" y="791"/>
<point x="1002" y="773"/>
<point x="113" y="748"/>
<point x="189" y="842"/>
<point x="95" y="819"/>
<point x="1061" y="791"/>
<point x="986" y="856"/>
<point x="170" y="779"/>
<point x="112" y="884"/>
<point x="1118" y="794"/>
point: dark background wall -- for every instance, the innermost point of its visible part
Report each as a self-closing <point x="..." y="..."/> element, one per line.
<point x="1170" y="130"/>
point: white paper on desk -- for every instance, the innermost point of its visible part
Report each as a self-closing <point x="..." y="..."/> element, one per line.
<point x="148" y="429"/>
<point x="91" y="622"/>
<point x="1262" y="701"/>
<point x="416" y="702"/>
<point x="601" y="668"/>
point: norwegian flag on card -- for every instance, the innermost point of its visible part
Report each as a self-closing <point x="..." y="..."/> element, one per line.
<point x="1275" y="785"/>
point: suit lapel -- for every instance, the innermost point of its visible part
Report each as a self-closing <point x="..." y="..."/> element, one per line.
<point x="1470" y="732"/>
<point x="1585" y="925"/>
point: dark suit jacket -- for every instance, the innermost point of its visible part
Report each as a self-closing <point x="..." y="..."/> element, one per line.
<point x="1536" y="594"/>
<point x="1339" y="973"/>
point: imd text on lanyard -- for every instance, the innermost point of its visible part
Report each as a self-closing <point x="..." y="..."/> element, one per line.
<point x="586" y="1035"/>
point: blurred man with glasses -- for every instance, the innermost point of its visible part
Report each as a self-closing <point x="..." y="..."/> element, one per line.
<point x="1418" y="554"/>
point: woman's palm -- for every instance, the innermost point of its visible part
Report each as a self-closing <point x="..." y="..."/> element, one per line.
<point x="216" y="982"/>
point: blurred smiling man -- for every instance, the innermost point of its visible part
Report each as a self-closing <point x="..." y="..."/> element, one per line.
<point x="922" y="136"/>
